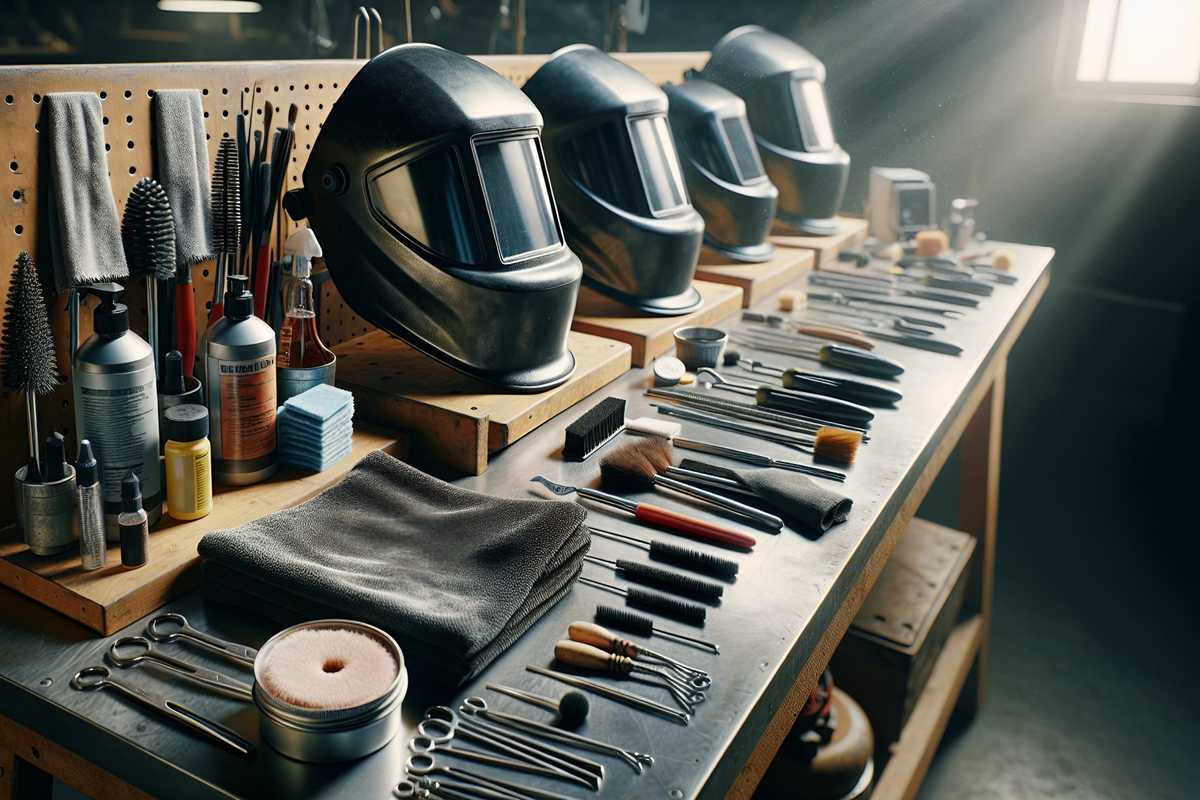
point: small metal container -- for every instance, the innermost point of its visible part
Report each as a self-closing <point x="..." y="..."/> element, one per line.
<point x="328" y="735"/>
<point x="290" y="382"/>
<point x="700" y="347"/>
<point x="193" y="394"/>
<point x="47" y="513"/>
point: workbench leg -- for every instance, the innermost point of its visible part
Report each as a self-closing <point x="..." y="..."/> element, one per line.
<point x="978" y="504"/>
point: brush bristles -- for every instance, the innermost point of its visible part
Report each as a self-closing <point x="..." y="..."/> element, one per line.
<point x="26" y="342"/>
<point x="633" y="466"/>
<point x="836" y="445"/>
<point x="599" y="424"/>
<point x="227" y="199"/>
<point x="148" y="231"/>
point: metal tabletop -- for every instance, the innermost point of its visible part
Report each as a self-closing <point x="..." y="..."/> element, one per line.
<point x="785" y="596"/>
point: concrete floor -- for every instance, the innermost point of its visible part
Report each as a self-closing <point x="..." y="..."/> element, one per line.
<point x="1093" y="690"/>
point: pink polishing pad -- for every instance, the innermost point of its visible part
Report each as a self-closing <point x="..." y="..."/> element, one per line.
<point x="328" y="669"/>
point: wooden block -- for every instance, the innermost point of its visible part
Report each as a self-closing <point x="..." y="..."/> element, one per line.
<point x="110" y="598"/>
<point x="456" y="420"/>
<point x="756" y="280"/>
<point x="650" y="337"/>
<point x="852" y="232"/>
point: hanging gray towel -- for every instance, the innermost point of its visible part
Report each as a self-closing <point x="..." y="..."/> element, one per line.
<point x="456" y="576"/>
<point x="797" y="498"/>
<point x="85" y="234"/>
<point x="181" y="153"/>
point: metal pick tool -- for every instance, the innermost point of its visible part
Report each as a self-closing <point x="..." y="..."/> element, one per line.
<point x="134" y="651"/>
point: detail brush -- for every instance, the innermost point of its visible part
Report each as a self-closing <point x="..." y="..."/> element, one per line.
<point x="148" y="235"/>
<point x="27" y="349"/>
<point x="227" y="220"/>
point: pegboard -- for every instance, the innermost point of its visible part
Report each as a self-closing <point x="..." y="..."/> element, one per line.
<point x="126" y="92"/>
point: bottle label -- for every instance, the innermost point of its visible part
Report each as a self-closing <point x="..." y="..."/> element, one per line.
<point x="118" y="412"/>
<point x="247" y="397"/>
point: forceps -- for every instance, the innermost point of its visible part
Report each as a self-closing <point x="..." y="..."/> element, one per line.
<point x="174" y="627"/>
<point x="133" y="651"/>
<point x="94" y="678"/>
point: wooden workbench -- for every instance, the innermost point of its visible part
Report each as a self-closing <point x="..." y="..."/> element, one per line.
<point x="778" y="625"/>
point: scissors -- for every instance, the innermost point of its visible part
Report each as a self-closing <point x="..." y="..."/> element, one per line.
<point x="91" y="679"/>
<point x="423" y="788"/>
<point x="423" y="764"/>
<point x="428" y="744"/>
<point x="133" y="651"/>
<point x="171" y="627"/>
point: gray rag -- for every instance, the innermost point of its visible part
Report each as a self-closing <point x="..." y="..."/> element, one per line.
<point x="797" y="498"/>
<point x="456" y="576"/>
<point x="85" y="233"/>
<point x="182" y="157"/>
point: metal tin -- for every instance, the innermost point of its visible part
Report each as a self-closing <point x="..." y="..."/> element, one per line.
<point x="193" y="394"/>
<point x="322" y="736"/>
<point x="47" y="513"/>
<point x="700" y="347"/>
<point x="230" y="344"/>
<point x="291" y="381"/>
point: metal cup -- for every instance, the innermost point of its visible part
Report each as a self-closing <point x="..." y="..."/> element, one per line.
<point x="700" y="347"/>
<point x="290" y="381"/>
<point x="47" y="513"/>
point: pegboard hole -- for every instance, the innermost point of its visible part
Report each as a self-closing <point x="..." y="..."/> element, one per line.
<point x="291" y="87"/>
<point x="206" y="115"/>
<point x="277" y="88"/>
<point x="335" y="84"/>
<point x="225" y="113"/>
<point x="37" y="98"/>
<point x="128" y="93"/>
<point x="204" y="272"/>
<point x="149" y="93"/>
<point x="18" y="195"/>
<point x="205" y="92"/>
<point x="306" y="87"/>
<point x="103" y="95"/>
<point x="104" y="120"/>
<point x="320" y="86"/>
<point x="129" y="144"/>
<point x="19" y="230"/>
<point x="107" y="147"/>
<point x="129" y="119"/>
<point x="258" y="90"/>
<point x="14" y="166"/>
<point x="132" y="170"/>
<point x="8" y="98"/>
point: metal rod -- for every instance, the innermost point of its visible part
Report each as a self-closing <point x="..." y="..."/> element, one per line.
<point x="625" y="698"/>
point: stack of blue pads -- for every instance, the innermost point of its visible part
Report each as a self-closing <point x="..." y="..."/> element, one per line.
<point x="315" y="429"/>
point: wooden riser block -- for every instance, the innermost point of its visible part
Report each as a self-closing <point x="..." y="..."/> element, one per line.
<point x="454" y="420"/>
<point x="756" y="281"/>
<point x="112" y="597"/>
<point x="851" y="233"/>
<point x="650" y="337"/>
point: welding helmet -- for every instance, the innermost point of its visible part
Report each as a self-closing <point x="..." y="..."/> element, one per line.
<point x="617" y="179"/>
<point x="427" y="187"/>
<point x="783" y="86"/>
<point x="722" y="170"/>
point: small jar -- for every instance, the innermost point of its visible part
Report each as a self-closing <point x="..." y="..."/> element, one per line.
<point x="188" y="462"/>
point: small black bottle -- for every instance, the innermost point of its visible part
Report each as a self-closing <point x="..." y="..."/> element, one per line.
<point x="133" y="523"/>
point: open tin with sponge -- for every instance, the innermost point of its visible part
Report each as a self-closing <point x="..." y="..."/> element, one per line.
<point x="329" y="690"/>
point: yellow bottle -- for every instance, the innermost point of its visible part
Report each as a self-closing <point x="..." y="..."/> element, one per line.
<point x="188" y="456"/>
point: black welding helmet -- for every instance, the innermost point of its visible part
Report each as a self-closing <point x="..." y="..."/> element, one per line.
<point x="427" y="188"/>
<point x="617" y="180"/>
<point x="721" y="167"/>
<point x="783" y="86"/>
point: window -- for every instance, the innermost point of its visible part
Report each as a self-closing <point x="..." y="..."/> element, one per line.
<point x="813" y="112"/>
<point x="426" y="199"/>
<point x="741" y="145"/>
<point x="600" y="159"/>
<point x="659" y="165"/>
<point x="515" y="185"/>
<point x="725" y="147"/>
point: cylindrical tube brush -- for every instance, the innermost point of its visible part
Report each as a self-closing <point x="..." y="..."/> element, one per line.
<point x="227" y="220"/>
<point x="148" y="235"/>
<point x="27" y="349"/>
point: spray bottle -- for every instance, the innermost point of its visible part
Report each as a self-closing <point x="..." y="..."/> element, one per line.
<point x="116" y="405"/>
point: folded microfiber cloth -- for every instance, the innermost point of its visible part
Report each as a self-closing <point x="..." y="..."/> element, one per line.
<point x="796" y="497"/>
<point x="320" y="402"/>
<point x="456" y="576"/>
<point x="85" y="232"/>
<point x="181" y="152"/>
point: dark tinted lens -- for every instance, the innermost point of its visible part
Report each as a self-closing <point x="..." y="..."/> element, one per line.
<point x="657" y="162"/>
<point x="601" y="161"/>
<point x="709" y="150"/>
<point x="426" y="199"/>
<point x="813" y="114"/>
<point x="516" y="188"/>
<point x="741" y="145"/>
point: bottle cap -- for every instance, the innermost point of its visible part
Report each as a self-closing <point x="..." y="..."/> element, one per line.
<point x="86" y="468"/>
<point x="111" y="317"/>
<point x="131" y="492"/>
<point x="239" y="302"/>
<point x="172" y="374"/>
<point x="185" y="423"/>
<point x="56" y="457"/>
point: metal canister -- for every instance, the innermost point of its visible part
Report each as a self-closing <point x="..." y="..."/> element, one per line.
<point x="47" y="513"/>
<point x="291" y="381"/>
<point x="328" y="735"/>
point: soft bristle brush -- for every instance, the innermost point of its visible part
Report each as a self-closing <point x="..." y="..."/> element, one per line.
<point x="27" y="349"/>
<point x="676" y="556"/>
<point x="632" y="622"/>
<point x="653" y="602"/>
<point x="148" y="236"/>
<point x="227" y="219"/>
<point x="662" y="579"/>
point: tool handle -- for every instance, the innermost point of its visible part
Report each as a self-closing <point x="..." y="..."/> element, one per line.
<point x="755" y="515"/>
<point x="592" y="634"/>
<point x="844" y="388"/>
<point x="185" y="326"/>
<point x="711" y="532"/>
<point x="686" y="558"/>
<point x="922" y="343"/>
<point x="585" y="656"/>
<point x="814" y="405"/>
<point x="262" y="277"/>
<point x="851" y="360"/>
<point x="667" y="581"/>
<point x="938" y="296"/>
<point x="834" y="334"/>
<point x="968" y="285"/>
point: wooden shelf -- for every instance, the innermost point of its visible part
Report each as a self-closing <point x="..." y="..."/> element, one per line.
<point x="110" y="598"/>
<point x="851" y="232"/>
<point x="756" y="281"/>
<point x="905" y="770"/>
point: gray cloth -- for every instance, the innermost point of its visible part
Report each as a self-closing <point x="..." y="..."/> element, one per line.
<point x="181" y="153"/>
<point x="797" y="498"/>
<point x="456" y="576"/>
<point x="85" y="233"/>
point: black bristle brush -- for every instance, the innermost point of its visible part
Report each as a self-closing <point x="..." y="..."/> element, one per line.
<point x="27" y="350"/>
<point x="664" y="580"/>
<point x="676" y="556"/>
<point x="653" y="602"/>
<point x="596" y="427"/>
<point x="148" y="236"/>
<point x="632" y="622"/>
<point x="227" y="219"/>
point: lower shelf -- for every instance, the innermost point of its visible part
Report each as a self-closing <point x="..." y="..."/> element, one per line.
<point x="911" y="756"/>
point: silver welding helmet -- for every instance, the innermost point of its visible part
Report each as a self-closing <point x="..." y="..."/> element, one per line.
<point x="427" y="188"/>
<point x="783" y="86"/>
<point x="721" y="167"/>
<point x="617" y="178"/>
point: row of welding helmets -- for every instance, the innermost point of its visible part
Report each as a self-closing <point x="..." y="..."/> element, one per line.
<point x="460" y="213"/>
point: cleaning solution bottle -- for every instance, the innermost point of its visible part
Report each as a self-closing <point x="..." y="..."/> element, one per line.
<point x="116" y="405"/>
<point x="300" y="345"/>
<point x="188" y="462"/>
<point x="93" y="548"/>
<point x="240" y="384"/>
<point x="132" y="523"/>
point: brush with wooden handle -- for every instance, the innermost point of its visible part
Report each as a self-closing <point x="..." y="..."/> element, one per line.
<point x="600" y="637"/>
<point x="583" y="656"/>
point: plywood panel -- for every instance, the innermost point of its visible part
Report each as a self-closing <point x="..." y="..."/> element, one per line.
<point x="756" y="280"/>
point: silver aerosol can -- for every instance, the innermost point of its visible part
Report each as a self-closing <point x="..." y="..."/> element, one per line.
<point x="239" y="381"/>
<point x="116" y="405"/>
